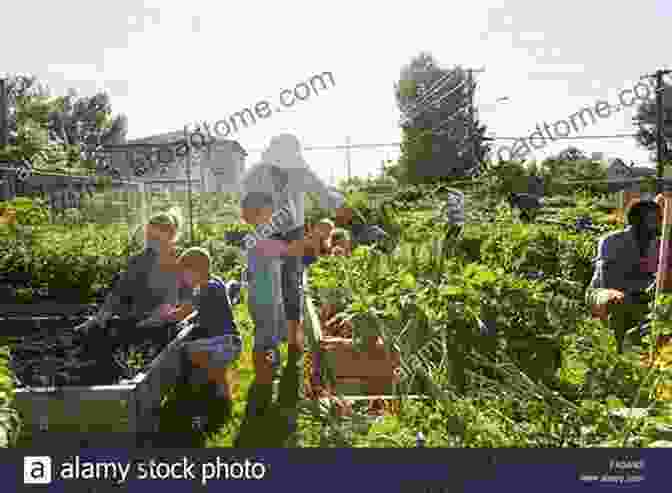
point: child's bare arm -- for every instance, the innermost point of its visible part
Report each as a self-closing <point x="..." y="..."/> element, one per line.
<point x="305" y="246"/>
<point x="183" y="311"/>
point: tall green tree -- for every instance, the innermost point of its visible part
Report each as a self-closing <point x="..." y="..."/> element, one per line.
<point x="572" y="164"/>
<point x="646" y="121"/>
<point x="437" y="124"/>
<point x="57" y="132"/>
<point x="29" y="108"/>
<point x="86" y="122"/>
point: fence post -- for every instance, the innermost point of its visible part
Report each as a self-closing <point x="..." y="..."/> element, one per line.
<point x="4" y="115"/>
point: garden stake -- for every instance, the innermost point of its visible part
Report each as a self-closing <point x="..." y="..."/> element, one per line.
<point x="663" y="277"/>
<point x="420" y="440"/>
<point x="663" y="274"/>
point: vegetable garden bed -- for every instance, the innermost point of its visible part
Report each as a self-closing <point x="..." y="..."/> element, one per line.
<point x="50" y="395"/>
<point x="335" y="366"/>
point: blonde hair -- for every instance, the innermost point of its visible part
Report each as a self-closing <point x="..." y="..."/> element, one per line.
<point x="196" y="256"/>
<point x="172" y="217"/>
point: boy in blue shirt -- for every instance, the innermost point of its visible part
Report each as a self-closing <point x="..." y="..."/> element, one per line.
<point x="214" y="342"/>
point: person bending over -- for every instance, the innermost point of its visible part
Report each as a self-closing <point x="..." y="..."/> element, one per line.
<point x="625" y="269"/>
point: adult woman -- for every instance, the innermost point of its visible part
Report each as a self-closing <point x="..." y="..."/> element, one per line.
<point x="147" y="291"/>
<point x="145" y="295"/>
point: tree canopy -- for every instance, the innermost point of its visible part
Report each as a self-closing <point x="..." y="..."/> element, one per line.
<point x="438" y="122"/>
<point x="58" y="132"/>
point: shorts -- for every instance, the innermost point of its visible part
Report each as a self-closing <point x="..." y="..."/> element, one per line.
<point x="264" y="280"/>
<point x="222" y="350"/>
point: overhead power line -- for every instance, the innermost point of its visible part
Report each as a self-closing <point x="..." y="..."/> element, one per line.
<point x="397" y="144"/>
<point x="431" y="91"/>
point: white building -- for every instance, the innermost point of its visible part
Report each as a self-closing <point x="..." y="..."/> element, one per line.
<point x="214" y="169"/>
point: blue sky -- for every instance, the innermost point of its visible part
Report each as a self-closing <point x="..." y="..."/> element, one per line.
<point x="167" y="64"/>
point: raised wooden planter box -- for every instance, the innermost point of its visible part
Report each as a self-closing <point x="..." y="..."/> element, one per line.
<point x="123" y="412"/>
<point x="356" y="373"/>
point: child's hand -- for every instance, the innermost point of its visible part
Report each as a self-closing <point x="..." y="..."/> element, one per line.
<point x="338" y="251"/>
<point x="343" y="216"/>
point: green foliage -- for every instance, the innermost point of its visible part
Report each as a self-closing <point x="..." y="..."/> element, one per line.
<point x="646" y="120"/>
<point x="9" y="419"/>
<point x="29" y="212"/>
<point x="440" y="138"/>
<point x="548" y="377"/>
<point x="55" y="133"/>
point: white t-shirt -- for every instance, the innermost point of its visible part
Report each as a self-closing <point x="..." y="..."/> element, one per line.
<point x="297" y="182"/>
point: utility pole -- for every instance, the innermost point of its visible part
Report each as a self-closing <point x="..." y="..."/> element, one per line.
<point x="471" y="109"/>
<point x="4" y="115"/>
<point x="660" y="122"/>
<point x="347" y="158"/>
<point x="187" y="139"/>
<point x="473" y="136"/>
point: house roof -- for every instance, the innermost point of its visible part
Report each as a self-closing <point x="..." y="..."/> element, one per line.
<point x="616" y="164"/>
<point x="641" y="171"/>
<point x="618" y="167"/>
<point x="177" y="136"/>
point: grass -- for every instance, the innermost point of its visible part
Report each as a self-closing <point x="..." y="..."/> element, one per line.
<point x="315" y="429"/>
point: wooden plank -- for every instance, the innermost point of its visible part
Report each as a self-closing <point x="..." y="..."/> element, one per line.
<point x="386" y="397"/>
<point x="311" y="324"/>
<point x="355" y="373"/>
<point x="92" y="393"/>
<point x="16" y="327"/>
<point x="44" y="308"/>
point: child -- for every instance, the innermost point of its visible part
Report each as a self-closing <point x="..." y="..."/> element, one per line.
<point x="285" y="175"/>
<point x="325" y="230"/>
<point x="322" y="234"/>
<point x="266" y="304"/>
<point x="216" y="342"/>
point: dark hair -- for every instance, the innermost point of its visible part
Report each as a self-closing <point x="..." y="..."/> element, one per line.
<point x="636" y="211"/>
